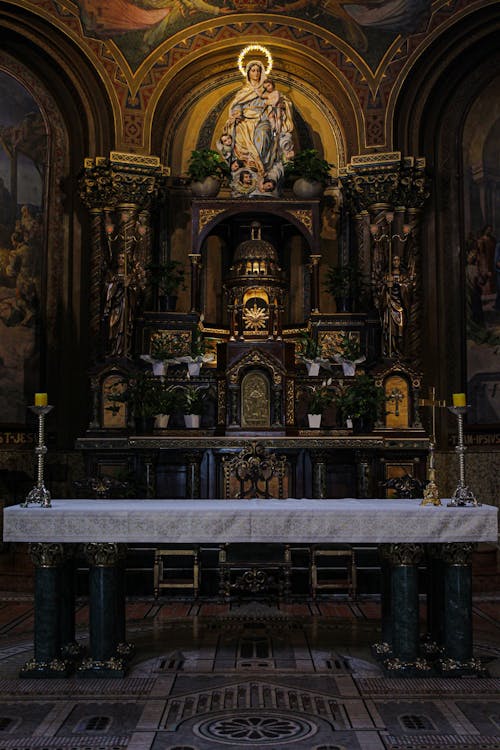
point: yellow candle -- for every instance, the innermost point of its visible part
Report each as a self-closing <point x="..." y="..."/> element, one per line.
<point x="459" y="399"/>
<point x="41" y="399"/>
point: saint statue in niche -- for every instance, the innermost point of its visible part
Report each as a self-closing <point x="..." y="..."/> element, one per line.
<point x="257" y="137"/>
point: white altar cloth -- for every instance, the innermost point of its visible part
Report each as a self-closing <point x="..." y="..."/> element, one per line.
<point x="303" y="521"/>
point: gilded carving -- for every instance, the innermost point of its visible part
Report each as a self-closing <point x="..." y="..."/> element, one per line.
<point x="207" y="215"/>
<point x="457" y="553"/>
<point x="46" y="555"/>
<point x="104" y="554"/>
<point x="402" y="554"/>
<point x="255" y="400"/>
<point x="304" y="216"/>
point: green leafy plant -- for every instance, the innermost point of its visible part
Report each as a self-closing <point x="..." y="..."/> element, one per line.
<point x="167" y="277"/>
<point x="168" y="346"/>
<point x="342" y="281"/>
<point x="206" y="162"/>
<point x="140" y="392"/>
<point x="349" y="349"/>
<point x="198" y="343"/>
<point x="193" y="399"/>
<point x="309" y="347"/>
<point x="319" y="396"/>
<point x="361" y="398"/>
<point x="309" y="165"/>
<point x="168" y="400"/>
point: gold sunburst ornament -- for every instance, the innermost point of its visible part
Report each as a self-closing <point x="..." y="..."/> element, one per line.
<point x="255" y="317"/>
<point x="255" y="48"/>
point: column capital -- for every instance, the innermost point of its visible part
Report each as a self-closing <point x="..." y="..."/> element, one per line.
<point x="379" y="182"/>
<point x="120" y="179"/>
<point x="402" y="554"/>
<point x="46" y="555"/>
<point x="457" y="553"/>
<point x="104" y="554"/>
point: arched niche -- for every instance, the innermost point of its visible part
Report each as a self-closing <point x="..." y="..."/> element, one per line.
<point x="214" y="245"/>
<point x="197" y="95"/>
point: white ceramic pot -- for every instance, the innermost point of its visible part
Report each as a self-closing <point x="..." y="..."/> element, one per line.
<point x="194" y="368"/>
<point x="207" y="188"/>
<point x="158" y="367"/>
<point x="307" y="189"/>
<point x="192" y="421"/>
<point x="312" y="368"/>
<point x="314" y="421"/>
<point x="349" y="368"/>
<point x="161" y="421"/>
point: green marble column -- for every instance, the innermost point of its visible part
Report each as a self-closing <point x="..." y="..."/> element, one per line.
<point x="434" y="638"/>
<point x="457" y="611"/>
<point x="69" y="647"/>
<point x="405" y="660"/>
<point x="384" y="648"/>
<point x="47" y="661"/>
<point x="106" y="611"/>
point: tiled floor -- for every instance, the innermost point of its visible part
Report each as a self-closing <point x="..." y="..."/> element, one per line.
<point x="207" y="676"/>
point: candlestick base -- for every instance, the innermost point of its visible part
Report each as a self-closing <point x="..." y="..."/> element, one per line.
<point x="463" y="496"/>
<point x="431" y="494"/>
<point x="38" y="495"/>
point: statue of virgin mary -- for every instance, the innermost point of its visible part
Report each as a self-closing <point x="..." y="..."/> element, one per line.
<point x="257" y="137"/>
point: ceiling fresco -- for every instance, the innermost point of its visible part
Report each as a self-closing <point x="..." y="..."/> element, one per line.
<point x="137" y="27"/>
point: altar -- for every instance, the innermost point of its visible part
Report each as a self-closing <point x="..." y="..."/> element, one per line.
<point x="406" y="532"/>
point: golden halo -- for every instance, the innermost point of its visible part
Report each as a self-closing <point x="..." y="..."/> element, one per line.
<point x="258" y="48"/>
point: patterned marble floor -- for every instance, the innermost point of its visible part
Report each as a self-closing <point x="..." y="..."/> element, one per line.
<point x="207" y="676"/>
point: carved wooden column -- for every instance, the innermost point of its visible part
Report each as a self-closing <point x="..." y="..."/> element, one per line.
<point x="195" y="259"/>
<point x="47" y="661"/>
<point x="315" y="259"/>
<point x="319" y="473"/>
<point x="376" y="186"/>
<point x="117" y="191"/>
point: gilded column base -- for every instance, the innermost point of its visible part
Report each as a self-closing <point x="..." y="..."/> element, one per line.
<point x="125" y="650"/>
<point x="113" y="667"/>
<point x="54" y="668"/>
<point x="394" y="667"/>
<point x="72" y="651"/>
<point x="455" y="668"/>
<point x="381" y="650"/>
<point x="431" y="649"/>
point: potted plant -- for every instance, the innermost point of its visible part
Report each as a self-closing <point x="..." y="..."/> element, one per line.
<point x="310" y="173"/>
<point x="319" y="398"/>
<point x="193" y="404"/>
<point x="140" y="392"/>
<point x="360" y="403"/>
<point x="344" y="284"/>
<point x="310" y="353"/>
<point x="168" y="402"/>
<point x="167" y="278"/>
<point x="206" y="170"/>
<point x="197" y="356"/>
<point x="349" y="355"/>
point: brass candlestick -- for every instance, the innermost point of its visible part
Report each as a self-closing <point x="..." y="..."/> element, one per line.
<point x="431" y="491"/>
<point x="39" y="494"/>
<point x="463" y="495"/>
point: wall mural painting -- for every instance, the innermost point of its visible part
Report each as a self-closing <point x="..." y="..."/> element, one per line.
<point x="139" y="26"/>
<point x="482" y="279"/>
<point x="23" y="157"/>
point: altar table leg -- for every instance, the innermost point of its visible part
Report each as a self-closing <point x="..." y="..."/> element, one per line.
<point x="434" y="638"/>
<point x="457" y="612"/>
<point x="47" y="661"/>
<point x="405" y="660"/>
<point x="106" y="612"/>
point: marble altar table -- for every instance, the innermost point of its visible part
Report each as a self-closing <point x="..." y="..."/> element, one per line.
<point x="406" y="532"/>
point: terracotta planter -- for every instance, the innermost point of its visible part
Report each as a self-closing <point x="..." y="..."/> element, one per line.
<point x="207" y="188"/>
<point x="314" y="421"/>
